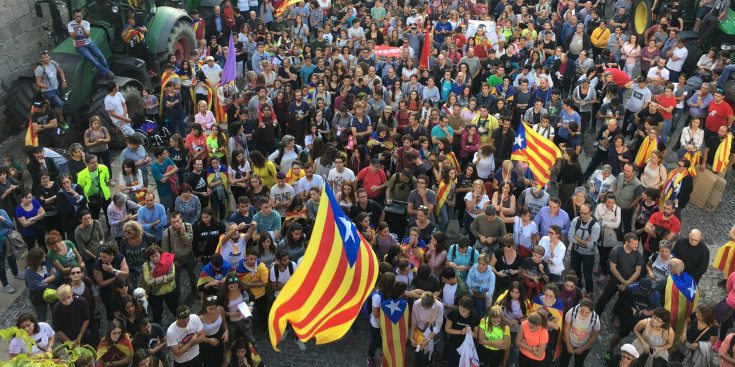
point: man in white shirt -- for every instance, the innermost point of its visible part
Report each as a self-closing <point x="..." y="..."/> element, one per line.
<point x="659" y="70"/>
<point x="118" y="110"/>
<point x="183" y="337"/>
<point x="309" y="181"/>
<point x="281" y="195"/>
<point x="79" y="32"/>
<point x="676" y="56"/>
<point x="339" y="174"/>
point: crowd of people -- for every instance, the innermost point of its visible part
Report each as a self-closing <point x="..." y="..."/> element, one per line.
<point x="408" y="144"/>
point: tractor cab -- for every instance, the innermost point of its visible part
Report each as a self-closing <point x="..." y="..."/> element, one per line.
<point x="110" y="15"/>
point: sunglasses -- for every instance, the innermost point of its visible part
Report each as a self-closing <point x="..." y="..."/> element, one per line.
<point x="211" y="298"/>
<point x="508" y="246"/>
<point x="75" y="272"/>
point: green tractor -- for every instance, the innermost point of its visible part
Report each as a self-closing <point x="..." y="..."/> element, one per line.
<point x="169" y="33"/>
<point x="643" y="18"/>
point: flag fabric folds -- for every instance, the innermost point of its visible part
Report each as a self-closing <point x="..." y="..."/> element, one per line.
<point x="695" y="160"/>
<point x="682" y="297"/>
<point x="725" y="259"/>
<point x="424" y="61"/>
<point x="31" y="137"/>
<point x="722" y="155"/>
<point x="540" y="153"/>
<point x="671" y="188"/>
<point x="555" y="313"/>
<point x="394" y="331"/>
<point x="645" y="151"/>
<point x="229" y="74"/>
<point x="285" y="6"/>
<point x="335" y="277"/>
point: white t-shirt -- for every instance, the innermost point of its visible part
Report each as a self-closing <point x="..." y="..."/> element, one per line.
<point x="340" y="178"/>
<point x="115" y="104"/>
<point x="283" y="276"/>
<point x="581" y="329"/>
<point x="79" y="38"/>
<point x="176" y="335"/>
<point x="376" y="299"/>
<point x="682" y="53"/>
<point x="448" y="294"/>
<point x="477" y="206"/>
<point x="17" y="346"/>
<point x="485" y="167"/>
<point x="233" y="250"/>
<point x="654" y="71"/>
<point x="282" y="196"/>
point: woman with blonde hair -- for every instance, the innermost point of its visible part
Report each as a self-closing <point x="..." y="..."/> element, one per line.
<point x="133" y="245"/>
<point x="475" y="202"/>
<point x="532" y="339"/>
<point x="494" y="336"/>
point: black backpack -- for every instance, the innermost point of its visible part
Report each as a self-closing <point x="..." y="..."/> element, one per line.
<point x="278" y="271"/>
<point x="590" y="224"/>
<point x="469" y="248"/>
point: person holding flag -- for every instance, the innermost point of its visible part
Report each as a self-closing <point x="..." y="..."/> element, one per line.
<point x="678" y="187"/>
<point x="394" y="314"/>
<point x="540" y="153"/>
<point x="719" y="152"/>
<point x="226" y="88"/>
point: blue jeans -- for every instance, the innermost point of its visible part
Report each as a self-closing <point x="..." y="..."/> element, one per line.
<point x="514" y="351"/>
<point x="13" y="267"/>
<point x="443" y="217"/>
<point x="53" y="97"/>
<point x="664" y="135"/>
<point x="92" y="53"/>
<point x="725" y="76"/>
<point x="678" y="113"/>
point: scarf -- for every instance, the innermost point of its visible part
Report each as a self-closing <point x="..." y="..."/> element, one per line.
<point x="645" y="151"/>
<point x="722" y="155"/>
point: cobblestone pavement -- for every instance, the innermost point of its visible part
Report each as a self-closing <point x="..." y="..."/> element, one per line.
<point x="351" y="350"/>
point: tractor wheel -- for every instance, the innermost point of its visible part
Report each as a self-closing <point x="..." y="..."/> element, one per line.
<point x="18" y="106"/>
<point x="97" y="107"/>
<point x="642" y="15"/>
<point x="180" y="42"/>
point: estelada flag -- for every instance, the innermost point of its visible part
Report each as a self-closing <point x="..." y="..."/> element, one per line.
<point x="555" y="313"/>
<point x="165" y="78"/>
<point x="682" y="297"/>
<point x="540" y="153"/>
<point x="31" y="137"/>
<point x="335" y="277"/>
<point x="394" y="332"/>
<point x="694" y="160"/>
<point x="725" y="259"/>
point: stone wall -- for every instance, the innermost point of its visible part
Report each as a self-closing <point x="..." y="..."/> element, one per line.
<point x="22" y="37"/>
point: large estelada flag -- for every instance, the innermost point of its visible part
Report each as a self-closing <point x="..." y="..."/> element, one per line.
<point x="725" y="259"/>
<point x="394" y="330"/>
<point x="335" y="277"/>
<point x="682" y="297"/>
<point x="31" y="136"/>
<point x="540" y="153"/>
<point x="285" y="6"/>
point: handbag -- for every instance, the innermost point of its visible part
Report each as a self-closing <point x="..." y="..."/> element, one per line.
<point x="683" y="347"/>
<point x="14" y="243"/>
<point x="418" y="334"/>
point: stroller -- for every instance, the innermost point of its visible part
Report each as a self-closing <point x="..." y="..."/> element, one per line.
<point x="152" y="134"/>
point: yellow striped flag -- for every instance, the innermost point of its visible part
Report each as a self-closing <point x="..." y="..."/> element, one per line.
<point x="539" y="152"/>
<point x="285" y="6"/>
<point x="31" y="137"/>
<point x="682" y="297"/>
<point x="332" y="282"/>
<point x="394" y="332"/>
<point x="725" y="259"/>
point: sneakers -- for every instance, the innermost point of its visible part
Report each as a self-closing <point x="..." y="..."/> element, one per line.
<point x="110" y="76"/>
<point x="20" y="276"/>
<point x="597" y="271"/>
<point x="300" y="344"/>
<point x="717" y="345"/>
<point x="602" y="279"/>
<point x="285" y="335"/>
<point x="10" y="288"/>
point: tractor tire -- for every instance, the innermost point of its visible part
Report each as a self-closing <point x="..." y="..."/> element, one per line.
<point x="97" y="107"/>
<point x="642" y="16"/>
<point x="180" y="42"/>
<point x="18" y="106"/>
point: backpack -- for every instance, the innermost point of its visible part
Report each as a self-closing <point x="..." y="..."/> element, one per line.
<point x="472" y="253"/>
<point x="278" y="271"/>
<point x="281" y="151"/>
<point x="367" y="307"/>
<point x="590" y="224"/>
<point x="593" y="320"/>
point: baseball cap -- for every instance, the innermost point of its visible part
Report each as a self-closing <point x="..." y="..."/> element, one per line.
<point x="644" y="286"/>
<point x="630" y="349"/>
<point x="210" y="58"/>
<point x="375" y="162"/>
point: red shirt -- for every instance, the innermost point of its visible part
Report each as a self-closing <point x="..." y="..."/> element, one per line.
<point x="672" y="225"/>
<point x="717" y="115"/>
<point x="666" y="102"/>
<point x="370" y="179"/>
<point x="195" y="144"/>
<point x="619" y="77"/>
<point x="480" y="52"/>
<point x="459" y="41"/>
